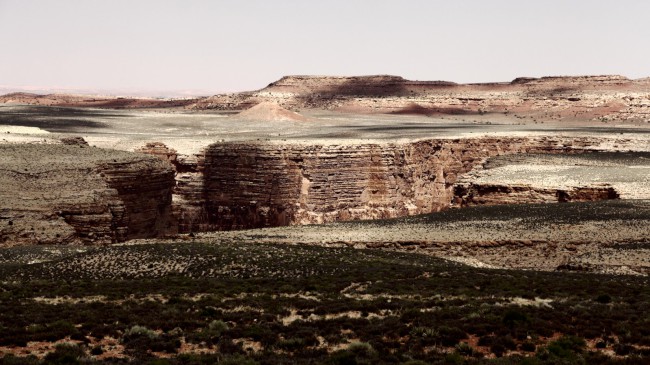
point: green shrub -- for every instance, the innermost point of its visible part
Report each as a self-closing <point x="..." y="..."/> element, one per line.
<point x="65" y="353"/>
<point x="604" y="298"/>
<point x="567" y="343"/>
<point x="54" y="331"/>
<point x="514" y="317"/>
<point x="528" y="346"/>
<point x="454" y="358"/>
<point x="497" y="349"/>
<point x="291" y="344"/>
<point x="10" y="359"/>
<point x="362" y="349"/>
<point x="210" y="334"/>
<point x="139" y="331"/>
<point x="142" y="339"/>
<point x="237" y="360"/>
<point x="566" y="349"/>
<point x="343" y="358"/>
<point x="465" y="349"/>
<point x="218" y="326"/>
<point x="425" y="332"/>
<point x="450" y="336"/>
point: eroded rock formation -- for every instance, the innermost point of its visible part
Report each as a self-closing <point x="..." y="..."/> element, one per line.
<point x="75" y="193"/>
<point x="256" y="184"/>
<point x="588" y="98"/>
<point x="67" y="194"/>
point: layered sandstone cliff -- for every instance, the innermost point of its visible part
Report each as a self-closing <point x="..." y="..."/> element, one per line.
<point x="67" y="194"/>
<point x="259" y="184"/>
<point x="75" y="193"/>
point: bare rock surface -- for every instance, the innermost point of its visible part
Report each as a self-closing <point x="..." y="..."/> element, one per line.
<point x="264" y="184"/>
<point x="67" y="194"/>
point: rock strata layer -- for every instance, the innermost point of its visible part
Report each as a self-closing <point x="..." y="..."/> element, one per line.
<point x="75" y="194"/>
<point x="256" y="184"/>
<point x="603" y="98"/>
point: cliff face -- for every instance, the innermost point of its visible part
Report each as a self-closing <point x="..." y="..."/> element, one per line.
<point x="188" y="204"/>
<point x="68" y="194"/>
<point x="247" y="185"/>
<point x="145" y="189"/>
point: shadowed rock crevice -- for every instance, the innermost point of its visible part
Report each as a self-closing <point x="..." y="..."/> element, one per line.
<point x="492" y="194"/>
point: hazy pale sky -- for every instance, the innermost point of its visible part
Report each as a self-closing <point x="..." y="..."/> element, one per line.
<point x="216" y="46"/>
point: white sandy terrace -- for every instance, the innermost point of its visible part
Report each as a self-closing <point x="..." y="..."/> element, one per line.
<point x="631" y="181"/>
<point x="188" y="133"/>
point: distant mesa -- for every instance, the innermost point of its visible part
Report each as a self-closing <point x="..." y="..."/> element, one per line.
<point x="271" y="112"/>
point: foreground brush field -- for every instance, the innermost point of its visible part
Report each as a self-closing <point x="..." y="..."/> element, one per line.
<point x="248" y="303"/>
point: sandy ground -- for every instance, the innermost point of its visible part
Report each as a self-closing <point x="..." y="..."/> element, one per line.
<point x="492" y="239"/>
<point x="189" y="132"/>
<point x="627" y="173"/>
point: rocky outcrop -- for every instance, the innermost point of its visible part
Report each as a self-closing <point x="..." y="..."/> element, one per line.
<point x="77" y="194"/>
<point x="109" y="102"/>
<point x="188" y="207"/>
<point x="602" y="98"/>
<point x="257" y="184"/>
<point x="145" y="188"/>
<point x="163" y="152"/>
<point x="494" y="194"/>
<point x="238" y="185"/>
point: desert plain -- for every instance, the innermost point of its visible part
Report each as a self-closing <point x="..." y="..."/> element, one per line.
<point x="321" y="219"/>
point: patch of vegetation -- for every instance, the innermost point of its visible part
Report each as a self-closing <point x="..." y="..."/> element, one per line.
<point x="276" y="304"/>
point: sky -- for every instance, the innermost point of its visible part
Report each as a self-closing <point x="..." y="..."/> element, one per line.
<point x="205" y="47"/>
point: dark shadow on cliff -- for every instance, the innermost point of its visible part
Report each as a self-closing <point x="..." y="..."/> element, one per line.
<point x="417" y="109"/>
<point x="127" y="103"/>
<point x="381" y="86"/>
<point x="537" y="91"/>
<point x="410" y="127"/>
